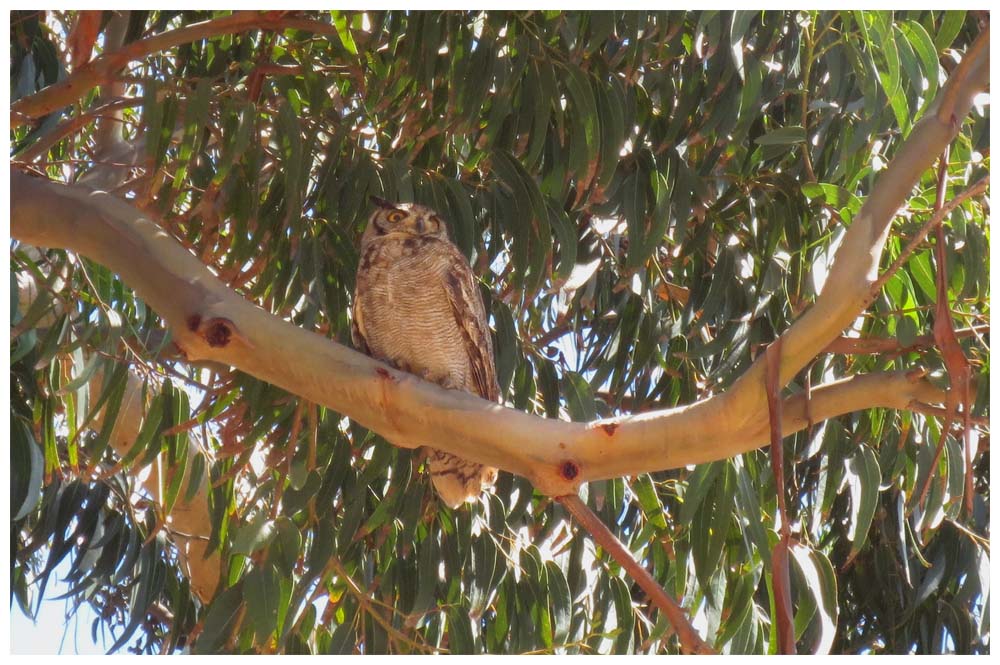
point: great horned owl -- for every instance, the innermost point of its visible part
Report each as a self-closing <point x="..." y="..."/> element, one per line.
<point x="417" y="307"/>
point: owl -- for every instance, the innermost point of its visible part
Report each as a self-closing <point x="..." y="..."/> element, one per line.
<point x="417" y="308"/>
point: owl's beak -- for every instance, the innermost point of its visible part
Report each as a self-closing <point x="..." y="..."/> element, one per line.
<point x="382" y="203"/>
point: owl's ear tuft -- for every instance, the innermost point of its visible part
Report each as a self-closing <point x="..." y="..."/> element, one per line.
<point x="382" y="203"/>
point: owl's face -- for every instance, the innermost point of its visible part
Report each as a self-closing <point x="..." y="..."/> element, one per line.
<point x="411" y="219"/>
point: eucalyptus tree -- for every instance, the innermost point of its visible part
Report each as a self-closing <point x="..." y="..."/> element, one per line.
<point x="693" y="231"/>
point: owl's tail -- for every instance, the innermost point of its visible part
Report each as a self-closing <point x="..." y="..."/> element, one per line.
<point x="457" y="480"/>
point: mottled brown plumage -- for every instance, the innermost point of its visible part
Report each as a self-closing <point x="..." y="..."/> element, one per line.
<point x="417" y="307"/>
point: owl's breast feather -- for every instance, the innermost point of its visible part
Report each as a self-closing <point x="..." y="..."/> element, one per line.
<point x="408" y="318"/>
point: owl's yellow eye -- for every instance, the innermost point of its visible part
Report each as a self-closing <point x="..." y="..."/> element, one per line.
<point x="395" y="216"/>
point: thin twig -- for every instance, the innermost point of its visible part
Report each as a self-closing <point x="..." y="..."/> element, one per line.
<point x="289" y="456"/>
<point x="807" y="70"/>
<point x="946" y="111"/>
<point x="978" y="188"/>
<point x="868" y="345"/>
<point x="71" y="126"/>
<point x="942" y="412"/>
<point x="367" y="604"/>
<point x="691" y="642"/>
<point x="104" y="68"/>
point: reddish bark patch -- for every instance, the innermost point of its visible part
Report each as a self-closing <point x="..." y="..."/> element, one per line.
<point x="609" y="428"/>
<point x="569" y="470"/>
<point x="384" y="373"/>
<point x="219" y="332"/>
<point x="193" y="322"/>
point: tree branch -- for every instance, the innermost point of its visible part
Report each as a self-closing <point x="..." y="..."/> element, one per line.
<point x="939" y="216"/>
<point x="103" y="69"/>
<point x="855" y="268"/>
<point x="210" y="322"/>
<point x="71" y="126"/>
<point x="866" y="345"/>
<point x="690" y="640"/>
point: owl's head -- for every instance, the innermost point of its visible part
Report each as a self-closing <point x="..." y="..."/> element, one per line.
<point x="404" y="218"/>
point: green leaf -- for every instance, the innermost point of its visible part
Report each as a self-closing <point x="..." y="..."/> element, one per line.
<point x="737" y="31"/>
<point x="652" y="507"/>
<point x="196" y="477"/>
<point x="783" y="136"/>
<point x="541" y="75"/>
<point x="863" y="477"/>
<point x="836" y="196"/>
<point x="886" y="40"/>
<point x="560" y="602"/>
<point x="152" y="110"/>
<point x="43" y="303"/>
<point x="289" y="137"/>
<point x="176" y="472"/>
<point x="463" y="220"/>
<point x="27" y="467"/>
<point x="718" y="525"/>
<point x="24" y="344"/>
<point x="920" y="267"/>
<point x="738" y="603"/>
<point x="610" y="102"/>
<point x="585" y="136"/>
<point x="149" y="431"/>
<point x="907" y="331"/>
<point x="344" y="32"/>
<point x="579" y="397"/>
<point x="749" y="506"/>
<point x="566" y="235"/>
<point x="262" y="592"/>
<point x="428" y="560"/>
<point x="220" y="621"/>
<point x="626" y="618"/>
<point x="254" y="535"/>
<point x="240" y="121"/>
<point x="460" y="632"/>
<point x="924" y="47"/>
<point x="344" y="637"/>
<point x="821" y="584"/>
<point x="698" y="485"/>
<point x="110" y="399"/>
<point x="194" y="123"/>
<point x="951" y="24"/>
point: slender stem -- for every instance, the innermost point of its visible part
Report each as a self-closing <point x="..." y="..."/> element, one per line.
<point x="807" y="69"/>
<point x="368" y="603"/>
<point x="691" y="642"/>
<point x="71" y="126"/>
<point x="103" y="69"/>
<point x="978" y="188"/>
<point x="866" y="345"/>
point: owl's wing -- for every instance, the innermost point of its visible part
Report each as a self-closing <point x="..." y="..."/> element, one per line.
<point x="357" y="327"/>
<point x="470" y="315"/>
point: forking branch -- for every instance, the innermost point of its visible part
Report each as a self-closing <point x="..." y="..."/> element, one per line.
<point x="211" y="322"/>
